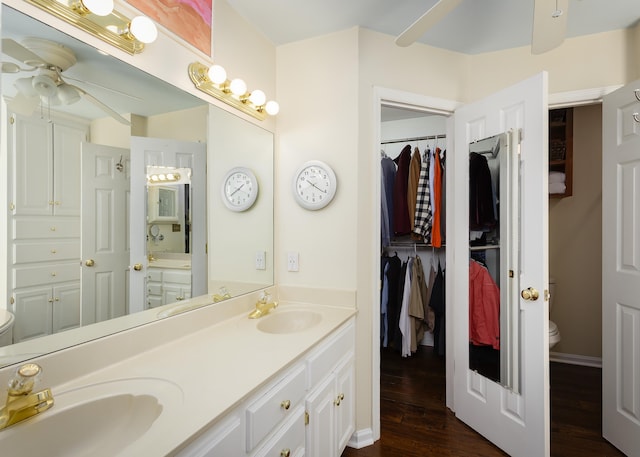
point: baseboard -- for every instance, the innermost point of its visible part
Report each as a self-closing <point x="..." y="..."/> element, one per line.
<point x="361" y="438"/>
<point x="574" y="359"/>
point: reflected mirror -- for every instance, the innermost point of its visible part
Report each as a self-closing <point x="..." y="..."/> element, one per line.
<point x="45" y="222"/>
<point x="493" y="259"/>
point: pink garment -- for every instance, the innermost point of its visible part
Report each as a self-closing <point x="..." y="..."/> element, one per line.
<point x="484" y="307"/>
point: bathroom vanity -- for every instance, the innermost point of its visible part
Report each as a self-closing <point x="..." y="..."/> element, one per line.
<point x="221" y="385"/>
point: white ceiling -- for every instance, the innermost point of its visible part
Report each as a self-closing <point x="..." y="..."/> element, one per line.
<point x="475" y="26"/>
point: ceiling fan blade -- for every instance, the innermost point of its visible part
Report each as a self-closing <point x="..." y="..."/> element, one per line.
<point x="22" y="104"/>
<point x="101" y="105"/>
<point x="426" y="21"/>
<point x="14" y="49"/>
<point x="549" y="25"/>
<point x="102" y="87"/>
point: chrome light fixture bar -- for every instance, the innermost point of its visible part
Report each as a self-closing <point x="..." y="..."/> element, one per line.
<point x="98" y="18"/>
<point x="213" y="81"/>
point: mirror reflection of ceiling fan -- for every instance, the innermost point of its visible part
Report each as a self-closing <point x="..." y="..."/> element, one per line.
<point x="47" y="60"/>
<point x="549" y="23"/>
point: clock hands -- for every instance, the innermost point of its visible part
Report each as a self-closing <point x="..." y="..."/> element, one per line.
<point x="237" y="189"/>
<point x="314" y="185"/>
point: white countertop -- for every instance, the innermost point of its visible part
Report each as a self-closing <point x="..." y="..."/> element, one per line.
<point x="209" y="372"/>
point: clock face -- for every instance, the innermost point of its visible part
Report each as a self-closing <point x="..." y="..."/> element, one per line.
<point x="239" y="189"/>
<point x="314" y="185"/>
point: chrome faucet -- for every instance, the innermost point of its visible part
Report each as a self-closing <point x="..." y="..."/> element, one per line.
<point x="263" y="306"/>
<point x="22" y="402"/>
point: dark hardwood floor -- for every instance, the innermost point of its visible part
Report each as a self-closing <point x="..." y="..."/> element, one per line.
<point x="416" y="423"/>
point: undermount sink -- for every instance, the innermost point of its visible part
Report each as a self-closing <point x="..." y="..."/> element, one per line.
<point x="98" y="420"/>
<point x="289" y="321"/>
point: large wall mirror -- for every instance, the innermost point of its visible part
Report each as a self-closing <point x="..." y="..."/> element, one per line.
<point x="68" y="275"/>
<point x="494" y="215"/>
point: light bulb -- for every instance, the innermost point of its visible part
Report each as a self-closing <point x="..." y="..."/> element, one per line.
<point x="217" y="74"/>
<point x="272" y="108"/>
<point x="238" y="87"/>
<point x="98" y="7"/>
<point x="257" y="97"/>
<point x="143" y="29"/>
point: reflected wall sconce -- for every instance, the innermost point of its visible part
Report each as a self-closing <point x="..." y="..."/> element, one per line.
<point x="213" y="81"/>
<point x="98" y="18"/>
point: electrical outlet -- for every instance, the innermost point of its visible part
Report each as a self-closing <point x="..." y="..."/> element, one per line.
<point x="292" y="261"/>
<point x="261" y="260"/>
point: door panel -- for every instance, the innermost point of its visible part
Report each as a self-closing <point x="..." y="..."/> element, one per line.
<point x="105" y="250"/>
<point x="517" y="423"/>
<point x="621" y="269"/>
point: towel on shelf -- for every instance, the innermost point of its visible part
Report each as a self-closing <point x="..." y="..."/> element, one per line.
<point x="557" y="177"/>
<point x="557" y="188"/>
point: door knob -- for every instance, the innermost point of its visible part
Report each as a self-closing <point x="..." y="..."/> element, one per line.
<point x="89" y="263"/>
<point x="137" y="266"/>
<point x="530" y="294"/>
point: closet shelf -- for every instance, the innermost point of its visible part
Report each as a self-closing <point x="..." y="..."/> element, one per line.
<point x="484" y="247"/>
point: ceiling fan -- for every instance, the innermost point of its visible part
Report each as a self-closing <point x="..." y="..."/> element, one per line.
<point x="48" y="60"/>
<point x="549" y="23"/>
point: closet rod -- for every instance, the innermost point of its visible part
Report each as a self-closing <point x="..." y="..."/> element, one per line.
<point x="417" y="138"/>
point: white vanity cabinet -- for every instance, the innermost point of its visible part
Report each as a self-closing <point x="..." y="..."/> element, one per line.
<point x="167" y="285"/>
<point x="306" y="410"/>
<point x="331" y="402"/>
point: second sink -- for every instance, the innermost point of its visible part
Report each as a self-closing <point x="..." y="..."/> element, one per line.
<point x="289" y="321"/>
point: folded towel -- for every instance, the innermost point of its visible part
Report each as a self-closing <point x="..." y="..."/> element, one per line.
<point x="557" y="177"/>
<point x="557" y="188"/>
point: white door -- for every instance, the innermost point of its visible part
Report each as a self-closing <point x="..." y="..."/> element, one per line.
<point x="105" y="237"/>
<point x="167" y="153"/>
<point x="517" y="423"/>
<point x="621" y="269"/>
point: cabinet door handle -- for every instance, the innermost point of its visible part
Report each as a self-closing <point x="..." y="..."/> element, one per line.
<point x="285" y="453"/>
<point x="286" y="404"/>
<point x="338" y="400"/>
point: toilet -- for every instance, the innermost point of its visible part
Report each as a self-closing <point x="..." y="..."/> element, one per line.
<point x="6" y="327"/>
<point x="554" y="333"/>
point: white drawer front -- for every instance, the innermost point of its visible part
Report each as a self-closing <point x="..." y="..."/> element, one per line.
<point x="153" y="274"/>
<point x="49" y="251"/>
<point x="178" y="277"/>
<point x="46" y="227"/>
<point x="264" y="414"/>
<point x="327" y="356"/>
<point x="289" y="438"/>
<point x="50" y="274"/>
<point x="154" y="288"/>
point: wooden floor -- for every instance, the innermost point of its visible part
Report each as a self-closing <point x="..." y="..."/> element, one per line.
<point x="416" y="423"/>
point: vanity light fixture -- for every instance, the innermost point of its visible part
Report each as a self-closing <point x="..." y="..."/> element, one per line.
<point x="213" y="81"/>
<point x="157" y="176"/>
<point x="98" y="18"/>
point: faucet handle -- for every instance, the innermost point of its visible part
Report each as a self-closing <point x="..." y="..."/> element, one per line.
<point x="265" y="297"/>
<point x="25" y="379"/>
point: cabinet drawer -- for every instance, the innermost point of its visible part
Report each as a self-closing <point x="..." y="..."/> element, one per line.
<point x="153" y="301"/>
<point x="154" y="288"/>
<point x="290" y="437"/>
<point x="49" y="251"/>
<point x="153" y="274"/>
<point x="46" y="227"/>
<point x="49" y="274"/>
<point x="267" y="411"/>
<point x="178" y="277"/>
<point x="324" y="359"/>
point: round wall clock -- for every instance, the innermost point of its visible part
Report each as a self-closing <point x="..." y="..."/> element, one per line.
<point x="239" y="189"/>
<point x="314" y="185"/>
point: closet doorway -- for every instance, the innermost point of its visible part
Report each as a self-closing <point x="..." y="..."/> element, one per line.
<point x="412" y="246"/>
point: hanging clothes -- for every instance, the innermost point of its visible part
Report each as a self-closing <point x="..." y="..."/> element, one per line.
<point x="388" y="177"/>
<point x="482" y="214"/>
<point x="417" y="302"/>
<point x="484" y="307"/>
<point x="438" y="304"/>
<point x="423" y="216"/>
<point x="412" y="188"/>
<point x="436" y="238"/>
<point x="392" y="274"/>
<point x="401" y="223"/>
